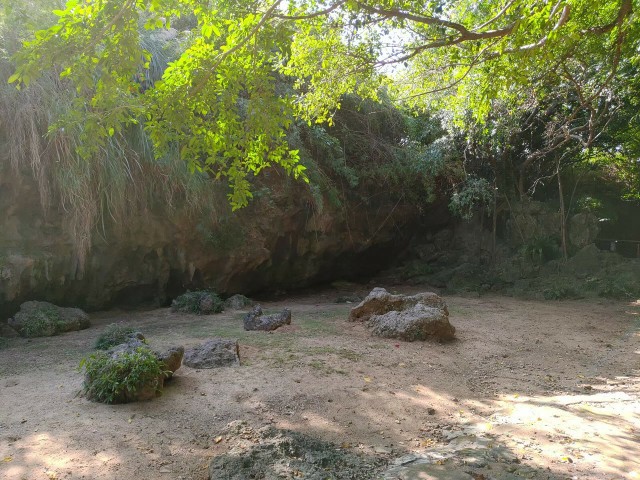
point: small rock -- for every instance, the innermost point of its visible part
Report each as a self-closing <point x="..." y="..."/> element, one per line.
<point x="255" y="320"/>
<point x="217" y="352"/>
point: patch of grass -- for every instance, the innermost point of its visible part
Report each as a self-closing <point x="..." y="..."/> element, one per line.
<point x="340" y="352"/>
<point x="110" y="379"/>
<point x="201" y="302"/>
<point x="113" y="335"/>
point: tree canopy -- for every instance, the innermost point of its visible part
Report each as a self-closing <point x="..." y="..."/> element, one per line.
<point x="243" y="71"/>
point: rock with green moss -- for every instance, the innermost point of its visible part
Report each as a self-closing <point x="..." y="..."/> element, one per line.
<point x="129" y="372"/>
<point x="115" y="334"/>
<point x="202" y="302"/>
<point x="43" y="319"/>
<point x="237" y="302"/>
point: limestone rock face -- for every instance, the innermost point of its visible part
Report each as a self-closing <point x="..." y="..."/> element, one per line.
<point x="279" y="241"/>
<point x="214" y="353"/>
<point x="583" y="229"/>
<point x="416" y="317"/>
<point x="255" y="320"/>
<point x="43" y="319"/>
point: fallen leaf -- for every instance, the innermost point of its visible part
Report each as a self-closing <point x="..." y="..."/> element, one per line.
<point x="7" y="459"/>
<point x="367" y="379"/>
<point x="217" y="439"/>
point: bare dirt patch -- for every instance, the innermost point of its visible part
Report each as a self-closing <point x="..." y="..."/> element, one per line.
<point x="554" y="385"/>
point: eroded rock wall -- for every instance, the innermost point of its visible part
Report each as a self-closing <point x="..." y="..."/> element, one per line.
<point x="282" y="241"/>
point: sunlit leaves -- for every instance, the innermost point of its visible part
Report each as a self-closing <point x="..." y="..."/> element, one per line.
<point x="222" y="103"/>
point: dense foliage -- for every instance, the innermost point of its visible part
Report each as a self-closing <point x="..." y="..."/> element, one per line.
<point x="243" y="71"/>
<point x="113" y="378"/>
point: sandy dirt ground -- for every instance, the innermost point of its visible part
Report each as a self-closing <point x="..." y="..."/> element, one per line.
<point x="555" y="383"/>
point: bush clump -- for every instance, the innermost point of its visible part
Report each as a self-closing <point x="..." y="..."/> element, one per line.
<point x="122" y="376"/>
<point x="115" y="334"/>
<point x="201" y="302"/>
<point x="540" y="250"/>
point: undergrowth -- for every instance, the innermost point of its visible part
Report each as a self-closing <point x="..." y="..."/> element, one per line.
<point x="114" y="379"/>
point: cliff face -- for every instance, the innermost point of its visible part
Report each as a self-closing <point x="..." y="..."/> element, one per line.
<point x="281" y="241"/>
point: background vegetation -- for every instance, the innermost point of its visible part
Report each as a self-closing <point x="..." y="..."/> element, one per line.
<point x="185" y="102"/>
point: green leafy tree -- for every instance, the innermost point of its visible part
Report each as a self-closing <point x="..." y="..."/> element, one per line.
<point x="222" y="105"/>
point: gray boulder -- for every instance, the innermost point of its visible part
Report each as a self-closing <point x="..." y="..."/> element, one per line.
<point x="379" y="301"/>
<point x="415" y="317"/>
<point x="418" y="322"/>
<point x="171" y="360"/>
<point x="583" y="229"/>
<point x="214" y="353"/>
<point x="255" y="320"/>
<point x="43" y="319"/>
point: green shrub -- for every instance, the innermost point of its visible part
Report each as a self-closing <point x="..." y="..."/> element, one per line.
<point x="560" y="292"/>
<point x="201" y="302"/>
<point x="541" y="249"/>
<point x="113" y="335"/>
<point x="117" y="378"/>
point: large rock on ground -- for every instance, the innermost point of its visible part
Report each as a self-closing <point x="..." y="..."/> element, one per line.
<point x="217" y="352"/>
<point x="117" y="362"/>
<point x="255" y="320"/>
<point x="171" y="360"/>
<point x="418" y="322"/>
<point x="237" y="302"/>
<point x="410" y="318"/>
<point x="43" y="319"/>
<point x="379" y="301"/>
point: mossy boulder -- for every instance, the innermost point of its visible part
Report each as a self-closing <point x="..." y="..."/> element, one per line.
<point x="202" y="302"/>
<point x="129" y="372"/>
<point x="115" y="334"/>
<point x="43" y="319"/>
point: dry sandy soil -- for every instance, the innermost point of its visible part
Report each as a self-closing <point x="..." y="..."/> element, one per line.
<point x="555" y="383"/>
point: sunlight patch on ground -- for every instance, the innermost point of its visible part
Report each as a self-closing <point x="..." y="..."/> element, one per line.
<point x="45" y="455"/>
<point x="575" y="429"/>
